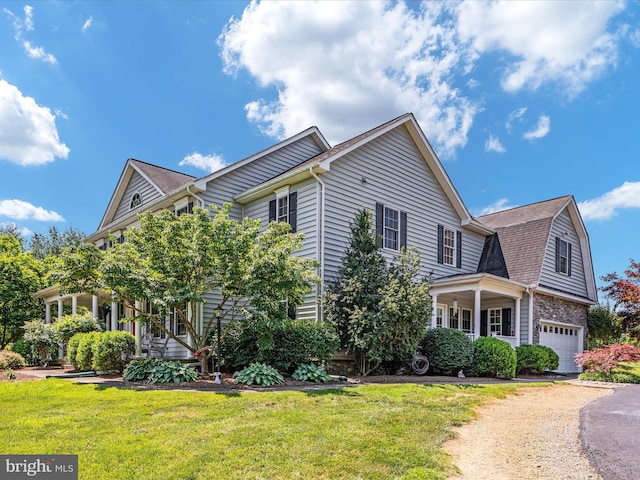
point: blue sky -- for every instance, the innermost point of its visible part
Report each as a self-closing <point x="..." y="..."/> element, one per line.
<point x="522" y="101"/>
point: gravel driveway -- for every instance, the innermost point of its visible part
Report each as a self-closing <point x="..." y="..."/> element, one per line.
<point x="532" y="434"/>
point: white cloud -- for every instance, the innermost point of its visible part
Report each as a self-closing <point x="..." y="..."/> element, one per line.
<point x="348" y="66"/>
<point x="28" y="134"/>
<point x="24" y="231"/>
<point x="606" y="206"/>
<point x="26" y="24"/>
<point x="497" y="206"/>
<point x="514" y="116"/>
<point x="87" y="24"/>
<point x="38" y="53"/>
<point x="21" y="210"/>
<point x="541" y="130"/>
<point x="493" y="144"/>
<point x="208" y="163"/>
<point x="565" y="42"/>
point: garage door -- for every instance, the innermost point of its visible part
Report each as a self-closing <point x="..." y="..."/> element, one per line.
<point x="566" y="341"/>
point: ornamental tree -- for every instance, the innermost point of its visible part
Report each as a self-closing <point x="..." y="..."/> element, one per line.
<point x="625" y="293"/>
<point x="171" y="261"/>
<point x="20" y="277"/>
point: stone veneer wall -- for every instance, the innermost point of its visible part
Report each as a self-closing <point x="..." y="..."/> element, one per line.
<point x="558" y="310"/>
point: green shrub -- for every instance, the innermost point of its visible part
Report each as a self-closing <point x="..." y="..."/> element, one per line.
<point x="155" y="370"/>
<point x="72" y="349"/>
<point x="493" y="357"/>
<point x="69" y="325"/>
<point x="24" y="348"/>
<point x="448" y="350"/>
<point x="310" y="372"/>
<point x="283" y="344"/>
<point x="259" y="374"/>
<point x="535" y="359"/>
<point x="112" y="350"/>
<point x="44" y="341"/>
<point x="84" y="352"/>
<point x="10" y="360"/>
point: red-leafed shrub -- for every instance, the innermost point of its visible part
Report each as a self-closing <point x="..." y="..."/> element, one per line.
<point x="605" y="359"/>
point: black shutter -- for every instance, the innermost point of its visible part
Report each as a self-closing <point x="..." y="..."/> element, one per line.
<point x="403" y="229"/>
<point x="568" y="259"/>
<point x="557" y="254"/>
<point x="506" y="321"/>
<point x="293" y="211"/>
<point x="379" y="223"/>
<point x="458" y="249"/>
<point x="440" y="244"/>
<point x="272" y="211"/>
<point x="483" y="323"/>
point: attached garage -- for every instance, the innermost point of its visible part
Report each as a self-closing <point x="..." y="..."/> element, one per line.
<point x="565" y="340"/>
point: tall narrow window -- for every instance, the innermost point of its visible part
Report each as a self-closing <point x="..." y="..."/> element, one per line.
<point x="495" y="321"/>
<point x="466" y="321"/>
<point x="563" y="256"/>
<point x="449" y="246"/>
<point x="391" y="228"/>
<point x="283" y="209"/>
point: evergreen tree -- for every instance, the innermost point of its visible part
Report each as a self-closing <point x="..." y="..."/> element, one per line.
<point x="352" y="301"/>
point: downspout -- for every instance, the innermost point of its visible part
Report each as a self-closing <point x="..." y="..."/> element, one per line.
<point x="200" y="200"/>
<point x="530" y="315"/>
<point x="319" y="243"/>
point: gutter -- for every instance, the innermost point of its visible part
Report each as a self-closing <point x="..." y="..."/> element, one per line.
<point x="200" y="200"/>
<point x="319" y="241"/>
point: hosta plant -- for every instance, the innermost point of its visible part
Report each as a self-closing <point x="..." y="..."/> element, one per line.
<point x="259" y="374"/>
<point x="159" y="371"/>
<point x="310" y="372"/>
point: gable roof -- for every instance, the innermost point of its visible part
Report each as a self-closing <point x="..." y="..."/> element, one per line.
<point x="524" y="235"/>
<point x="163" y="180"/>
<point x="322" y="163"/>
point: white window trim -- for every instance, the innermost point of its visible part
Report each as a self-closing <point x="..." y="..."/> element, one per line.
<point x="565" y="257"/>
<point x="446" y="230"/>
<point x="490" y="323"/>
<point x="131" y="205"/>
<point x="385" y="228"/>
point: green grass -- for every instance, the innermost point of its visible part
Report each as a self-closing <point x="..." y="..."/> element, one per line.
<point x="368" y="432"/>
<point x="624" y="373"/>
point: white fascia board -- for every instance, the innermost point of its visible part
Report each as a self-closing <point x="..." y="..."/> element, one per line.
<point x="475" y="226"/>
<point x="479" y="281"/>
<point x="201" y="183"/>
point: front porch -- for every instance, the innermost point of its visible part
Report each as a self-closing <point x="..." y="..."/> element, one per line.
<point x="483" y="305"/>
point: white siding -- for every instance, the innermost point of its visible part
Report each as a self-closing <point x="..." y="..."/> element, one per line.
<point x="137" y="184"/>
<point x="396" y="175"/>
<point x="563" y="227"/>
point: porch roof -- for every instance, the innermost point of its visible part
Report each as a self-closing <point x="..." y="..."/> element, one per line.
<point x="478" y="281"/>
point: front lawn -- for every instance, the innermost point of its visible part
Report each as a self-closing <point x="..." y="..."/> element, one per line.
<point x="625" y="372"/>
<point x="373" y="432"/>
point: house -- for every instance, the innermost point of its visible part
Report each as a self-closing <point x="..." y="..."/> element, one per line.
<point x="524" y="275"/>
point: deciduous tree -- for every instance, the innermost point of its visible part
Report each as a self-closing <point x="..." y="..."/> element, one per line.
<point x="171" y="261"/>
<point x="625" y="293"/>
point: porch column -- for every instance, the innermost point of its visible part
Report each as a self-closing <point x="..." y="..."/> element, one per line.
<point x="476" y="313"/>
<point x="74" y="305"/>
<point x="60" y="308"/>
<point x="114" y="316"/>
<point x="138" y="326"/>
<point x="517" y="321"/>
<point x="47" y="313"/>
<point x="434" y="312"/>
<point x="94" y="306"/>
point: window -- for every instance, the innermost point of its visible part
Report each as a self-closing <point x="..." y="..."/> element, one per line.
<point x="495" y="321"/>
<point x="454" y="318"/>
<point x="563" y="256"/>
<point x="186" y="209"/>
<point x="177" y="317"/>
<point x="391" y="227"/>
<point x="466" y="321"/>
<point x="136" y="201"/>
<point x="284" y="208"/>
<point x="439" y="317"/>
<point x="449" y="247"/>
